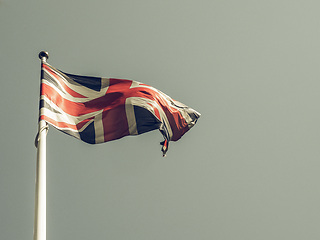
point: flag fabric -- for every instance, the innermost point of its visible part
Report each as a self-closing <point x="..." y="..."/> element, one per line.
<point x="97" y="110"/>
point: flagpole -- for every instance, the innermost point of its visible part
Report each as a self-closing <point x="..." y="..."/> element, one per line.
<point x="39" y="232"/>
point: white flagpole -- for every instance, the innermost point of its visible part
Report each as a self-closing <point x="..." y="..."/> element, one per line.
<point x="39" y="232"/>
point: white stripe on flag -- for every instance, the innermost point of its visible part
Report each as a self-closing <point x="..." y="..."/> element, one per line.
<point x="98" y="127"/>
<point x="131" y="118"/>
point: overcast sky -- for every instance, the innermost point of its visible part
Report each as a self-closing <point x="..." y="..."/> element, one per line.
<point x="248" y="170"/>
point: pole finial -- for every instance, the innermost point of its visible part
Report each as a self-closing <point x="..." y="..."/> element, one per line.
<point x="43" y="55"/>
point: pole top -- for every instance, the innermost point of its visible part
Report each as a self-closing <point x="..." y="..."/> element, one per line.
<point x="43" y="55"/>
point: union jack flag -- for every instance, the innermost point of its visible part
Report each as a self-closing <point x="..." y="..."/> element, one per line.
<point x="98" y="110"/>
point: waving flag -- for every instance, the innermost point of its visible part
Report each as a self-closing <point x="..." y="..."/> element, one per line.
<point x="98" y="110"/>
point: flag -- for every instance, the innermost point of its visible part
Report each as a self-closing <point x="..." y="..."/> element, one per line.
<point x="97" y="110"/>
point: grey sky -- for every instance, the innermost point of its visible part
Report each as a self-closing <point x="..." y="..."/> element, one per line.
<point x="248" y="170"/>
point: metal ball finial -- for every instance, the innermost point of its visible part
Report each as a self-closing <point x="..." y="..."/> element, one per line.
<point x="43" y="54"/>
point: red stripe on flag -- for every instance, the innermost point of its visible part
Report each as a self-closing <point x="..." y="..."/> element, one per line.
<point x="58" y="124"/>
<point x="64" y="124"/>
<point x="69" y="107"/>
<point x="61" y="81"/>
<point x="115" y="123"/>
